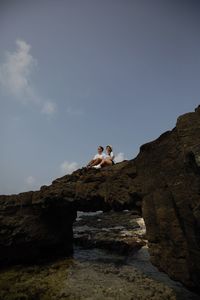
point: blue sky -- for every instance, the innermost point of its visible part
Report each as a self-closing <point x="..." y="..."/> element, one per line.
<point x="76" y="74"/>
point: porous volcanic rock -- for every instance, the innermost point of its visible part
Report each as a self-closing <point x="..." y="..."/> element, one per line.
<point x="169" y="169"/>
<point x="32" y="227"/>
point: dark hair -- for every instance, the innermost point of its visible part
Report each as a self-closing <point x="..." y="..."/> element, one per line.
<point x="108" y="146"/>
<point x="102" y="148"/>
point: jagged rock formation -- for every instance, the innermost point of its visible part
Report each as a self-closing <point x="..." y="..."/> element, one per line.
<point x="32" y="228"/>
<point x="162" y="183"/>
<point x="170" y="170"/>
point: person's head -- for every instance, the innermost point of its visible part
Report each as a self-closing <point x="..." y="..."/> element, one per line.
<point x="108" y="149"/>
<point x="100" y="149"/>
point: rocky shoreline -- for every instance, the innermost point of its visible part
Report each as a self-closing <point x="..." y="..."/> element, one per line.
<point x="162" y="184"/>
<point x="92" y="273"/>
<point x="75" y="280"/>
<point x="122" y="233"/>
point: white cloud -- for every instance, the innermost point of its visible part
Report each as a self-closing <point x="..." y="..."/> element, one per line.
<point x="68" y="167"/>
<point x="119" y="157"/>
<point x="49" y="108"/>
<point x="16" y="70"/>
<point x="30" y="180"/>
<point x="15" y="77"/>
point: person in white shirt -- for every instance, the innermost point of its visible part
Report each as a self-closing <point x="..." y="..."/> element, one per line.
<point x="108" y="160"/>
<point x="97" y="159"/>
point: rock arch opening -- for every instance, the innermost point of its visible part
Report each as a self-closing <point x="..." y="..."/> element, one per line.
<point x="119" y="231"/>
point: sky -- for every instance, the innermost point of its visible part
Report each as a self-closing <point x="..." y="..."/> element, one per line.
<point x="75" y="74"/>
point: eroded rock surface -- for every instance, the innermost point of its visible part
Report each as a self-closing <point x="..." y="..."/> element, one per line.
<point x="169" y="170"/>
<point x="70" y="280"/>
<point x="32" y="228"/>
<point x="120" y="232"/>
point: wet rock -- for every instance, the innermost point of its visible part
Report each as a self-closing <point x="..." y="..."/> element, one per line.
<point x="80" y="280"/>
<point x="122" y="232"/>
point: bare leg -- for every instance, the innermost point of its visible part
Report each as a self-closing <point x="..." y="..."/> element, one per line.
<point x="89" y="164"/>
<point x="96" y="162"/>
<point x="106" y="162"/>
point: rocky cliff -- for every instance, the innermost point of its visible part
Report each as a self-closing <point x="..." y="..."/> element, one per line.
<point x="169" y="170"/>
<point x="162" y="183"/>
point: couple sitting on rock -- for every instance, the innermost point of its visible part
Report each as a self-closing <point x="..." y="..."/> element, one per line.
<point x="101" y="159"/>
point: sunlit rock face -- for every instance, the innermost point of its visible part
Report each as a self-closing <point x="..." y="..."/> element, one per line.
<point x="162" y="184"/>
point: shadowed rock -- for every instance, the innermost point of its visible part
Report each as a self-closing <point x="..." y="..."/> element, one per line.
<point x="170" y="172"/>
<point x="162" y="183"/>
<point x="32" y="227"/>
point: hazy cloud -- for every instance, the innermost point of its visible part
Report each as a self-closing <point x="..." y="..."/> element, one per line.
<point x="30" y="181"/>
<point x="16" y="70"/>
<point x="49" y="108"/>
<point x="68" y="167"/>
<point x="15" y="77"/>
<point x="119" y="157"/>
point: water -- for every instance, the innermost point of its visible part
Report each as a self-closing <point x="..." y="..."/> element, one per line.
<point x="139" y="260"/>
<point x="94" y="273"/>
